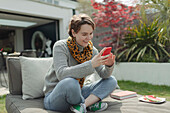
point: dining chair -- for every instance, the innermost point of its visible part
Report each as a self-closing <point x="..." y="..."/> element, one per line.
<point x="28" y="53"/>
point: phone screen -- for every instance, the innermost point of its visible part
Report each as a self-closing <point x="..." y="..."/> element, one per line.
<point x="107" y="51"/>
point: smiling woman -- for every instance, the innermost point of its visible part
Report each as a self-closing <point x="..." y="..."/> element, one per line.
<point x="84" y="35"/>
<point x="73" y="60"/>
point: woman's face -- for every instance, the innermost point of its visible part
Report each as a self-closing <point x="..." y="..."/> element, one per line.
<point x="84" y="35"/>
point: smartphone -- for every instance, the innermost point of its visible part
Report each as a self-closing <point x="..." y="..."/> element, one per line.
<point x="107" y="51"/>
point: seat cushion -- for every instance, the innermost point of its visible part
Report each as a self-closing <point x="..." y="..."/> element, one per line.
<point x="15" y="104"/>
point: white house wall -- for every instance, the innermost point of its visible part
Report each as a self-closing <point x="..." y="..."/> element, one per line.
<point x="33" y="8"/>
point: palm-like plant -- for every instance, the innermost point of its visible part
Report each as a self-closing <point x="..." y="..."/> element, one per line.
<point x="162" y="13"/>
<point x="142" y="40"/>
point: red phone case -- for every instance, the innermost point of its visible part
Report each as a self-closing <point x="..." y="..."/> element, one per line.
<point x="107" y="51"/>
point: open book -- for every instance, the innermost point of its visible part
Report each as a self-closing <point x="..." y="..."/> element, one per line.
<point x="123" y="95"/>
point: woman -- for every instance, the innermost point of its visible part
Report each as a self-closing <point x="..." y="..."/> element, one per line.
<point x="74" y="59"/>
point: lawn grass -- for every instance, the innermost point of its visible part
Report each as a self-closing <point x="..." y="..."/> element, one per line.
<point x="146" y="89"/>
<point x="2" y="104"/>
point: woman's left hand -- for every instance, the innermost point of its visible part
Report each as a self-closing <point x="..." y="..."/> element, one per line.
<point x="110" y="60"/>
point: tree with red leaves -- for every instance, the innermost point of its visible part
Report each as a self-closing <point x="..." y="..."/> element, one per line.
<point x="115" y="15"/>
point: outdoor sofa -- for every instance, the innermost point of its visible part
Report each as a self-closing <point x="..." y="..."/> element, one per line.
<point x="26" y="84"/>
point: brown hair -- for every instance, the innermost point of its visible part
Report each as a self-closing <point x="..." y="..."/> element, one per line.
<point x="77" y="21"/>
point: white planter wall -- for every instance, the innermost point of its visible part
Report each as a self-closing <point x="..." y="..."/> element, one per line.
<point x="153" y="73"/>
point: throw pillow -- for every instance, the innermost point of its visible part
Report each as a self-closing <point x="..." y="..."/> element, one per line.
<point x="33" y="76"/>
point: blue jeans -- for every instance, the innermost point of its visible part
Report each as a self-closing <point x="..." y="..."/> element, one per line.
<point x="68" y="92"/>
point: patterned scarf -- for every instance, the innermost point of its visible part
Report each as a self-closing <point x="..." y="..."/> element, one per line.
<point x="80" y="56"/>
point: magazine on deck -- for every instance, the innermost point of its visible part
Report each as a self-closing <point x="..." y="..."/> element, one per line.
<point x="123" y="95"/>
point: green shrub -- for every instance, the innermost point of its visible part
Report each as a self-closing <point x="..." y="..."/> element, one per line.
<point x="143" y="43"/>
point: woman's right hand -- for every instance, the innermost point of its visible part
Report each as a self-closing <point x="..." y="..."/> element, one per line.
<point x="98" y="60"/>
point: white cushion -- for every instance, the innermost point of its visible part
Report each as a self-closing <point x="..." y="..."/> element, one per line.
<point x="33" y="76"/>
